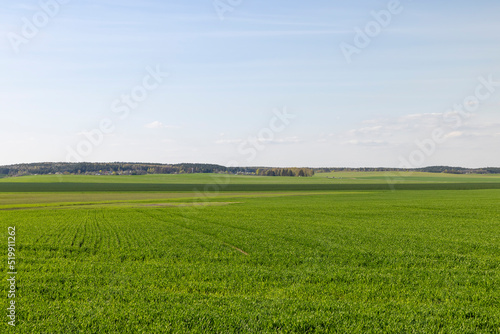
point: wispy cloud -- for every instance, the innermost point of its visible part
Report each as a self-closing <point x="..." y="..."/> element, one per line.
<point x="228" y="141"/>
<point x="24" y="6"/>
<point x="158" y="125"/>
<point x="263" y="33"/>
<point x="287" y="140"/>
<point x="403" y="130"/>
<point x="366" y="142"/>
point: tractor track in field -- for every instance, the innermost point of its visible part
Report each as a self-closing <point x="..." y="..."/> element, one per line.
<point x="293" y="241"/>
<point x="236" y="248"/>
<point x="125" y="204"/>
<point x="197" y="231"/>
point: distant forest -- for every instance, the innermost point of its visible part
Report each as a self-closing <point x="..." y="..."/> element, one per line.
<point x="124" y="168"/>
<point x="431" y="169"/>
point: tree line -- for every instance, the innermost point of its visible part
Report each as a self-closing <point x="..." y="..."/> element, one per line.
<point x="430" y="169"/>
<point x="127" y="168"/>
<point x="298" y="172"/>
<point x="115" y="168"/>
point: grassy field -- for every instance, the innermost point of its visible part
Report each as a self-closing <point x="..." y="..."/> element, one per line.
<point x="210" y="183"/>
<point x="320" y="178"/>
<point x="271" y="260"/>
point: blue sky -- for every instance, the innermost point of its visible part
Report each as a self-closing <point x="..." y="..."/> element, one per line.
<point x="228" y="77"/>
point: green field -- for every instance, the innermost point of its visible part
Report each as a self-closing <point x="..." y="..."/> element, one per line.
<point x="320" y="178"/>
<point x="210" y="254"/>
<point x="202" y="183"/>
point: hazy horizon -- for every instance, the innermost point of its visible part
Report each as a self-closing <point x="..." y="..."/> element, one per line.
<point x="249" y="166"/>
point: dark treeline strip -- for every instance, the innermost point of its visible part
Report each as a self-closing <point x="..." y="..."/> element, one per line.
<point x="125" y="168"/>
<point x="300" y="172"/>
<point x="203" y="188"/>
<point x="431" y="169"/>
<point x="115" y="168"/>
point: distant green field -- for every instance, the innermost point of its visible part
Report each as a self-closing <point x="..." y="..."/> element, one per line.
<point x="202" y="189"/>
<point x="201" y="183"/>
<point x="408" y="177"/>
<point x="322" y="178"/>
<point x="270" y="260"/>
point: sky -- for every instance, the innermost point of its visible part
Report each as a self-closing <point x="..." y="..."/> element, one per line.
<point x="251" y="82"/>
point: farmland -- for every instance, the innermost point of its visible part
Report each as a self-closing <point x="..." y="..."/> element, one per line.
<point x="210" y="253"/>
<point x="214" y="183"/>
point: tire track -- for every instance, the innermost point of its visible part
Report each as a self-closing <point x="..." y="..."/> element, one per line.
<point x="193" y="230"/>
<point x="292" y="241"/>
